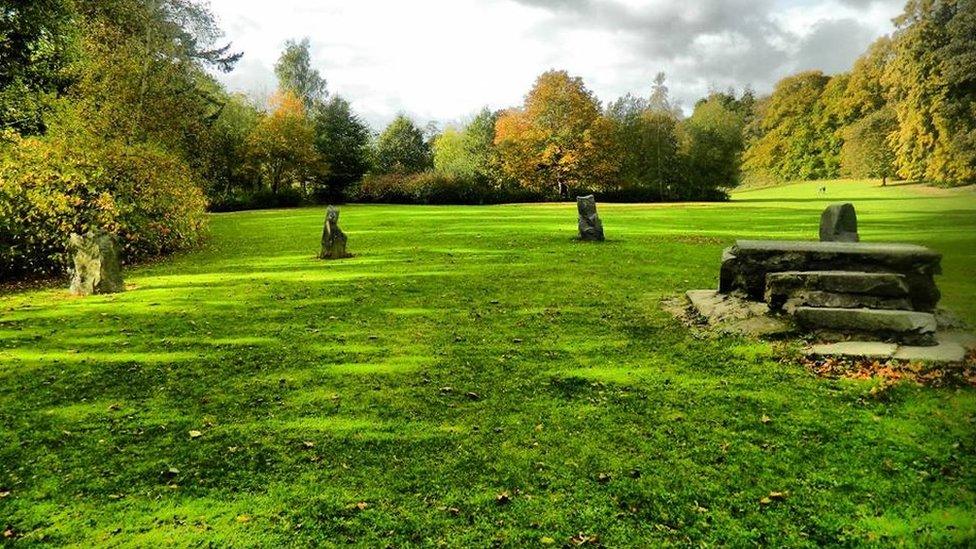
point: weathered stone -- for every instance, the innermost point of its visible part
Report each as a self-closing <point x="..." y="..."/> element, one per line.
<point x="746" y="264"/>
<point x="333" y="239"/>
<point x="734" y="315"/>
<point x="838" y="223"/>
<point x="790" y="289"/>
<point x="909" y="327"/>
<point x="97" y="266"/>
<point x="590" y="226"/>
<point x="945" y="351"/>
<point x="864" y="349"/>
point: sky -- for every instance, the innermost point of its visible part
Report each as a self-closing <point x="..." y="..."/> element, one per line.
<point x="443" y="60"/>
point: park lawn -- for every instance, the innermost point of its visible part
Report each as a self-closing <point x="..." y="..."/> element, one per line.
<point x="473" y="376"/>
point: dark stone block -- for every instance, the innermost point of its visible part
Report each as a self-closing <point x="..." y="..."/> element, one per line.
<point x="333" y="239"/>
<point x="909" y="327"/>
<point x="590" y="226"/>
<point x="838" y="223"/>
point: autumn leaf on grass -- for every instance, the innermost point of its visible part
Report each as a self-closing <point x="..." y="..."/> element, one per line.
<point x="195" y="434"/>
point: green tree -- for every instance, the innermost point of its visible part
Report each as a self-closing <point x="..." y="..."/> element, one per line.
<point x="37" y="42"/>
<point x="402" y="149"/>
<point x="227" y="149"/>
<point x="468" y="152"/>
<point x="867" y="149"/>
<point x="342" y="141"/>
<point x="645" y="139"/>
<point x="932" y="88"/>
<point x="712" y="147"/>
<point x="296" y="74"/>
<point x="791" y="142"/>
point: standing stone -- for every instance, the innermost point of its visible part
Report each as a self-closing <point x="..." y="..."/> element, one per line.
<point x="590" y="226"/>
<point x="838" y="223"/>
<point x="333" y="239"/>
<point x="97" y="268"/>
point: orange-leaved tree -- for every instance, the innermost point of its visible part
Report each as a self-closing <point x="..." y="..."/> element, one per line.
<point x="282" y="145"/>
<point x="558" y="140"/>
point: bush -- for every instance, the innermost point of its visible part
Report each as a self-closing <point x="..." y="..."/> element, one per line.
<point x="50" y="188"/>
<point x="433" y="187"/>
<point x="262" y="199"/>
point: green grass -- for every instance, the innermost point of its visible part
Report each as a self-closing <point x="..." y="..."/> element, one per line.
<point x="320" y="385"/>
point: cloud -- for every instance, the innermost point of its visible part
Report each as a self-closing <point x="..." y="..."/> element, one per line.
<point x="444" y="59"/>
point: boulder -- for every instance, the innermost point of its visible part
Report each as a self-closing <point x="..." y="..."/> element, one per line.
<point x="746" y="265"/>
<point x="590" y="226"/>
<point x="97" y="266"/>
<point x="838" y="223"/>
<point x="333" y="239"/>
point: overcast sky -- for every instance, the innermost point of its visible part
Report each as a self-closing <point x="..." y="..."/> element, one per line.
<point x="443" y="60"/>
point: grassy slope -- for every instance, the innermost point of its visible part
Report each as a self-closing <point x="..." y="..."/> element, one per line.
<point x="577" y="370"/>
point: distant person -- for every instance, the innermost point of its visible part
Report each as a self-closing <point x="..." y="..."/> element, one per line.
<point x="822" y="190"/>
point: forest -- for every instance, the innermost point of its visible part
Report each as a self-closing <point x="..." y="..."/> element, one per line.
<point x="112" y="116"/>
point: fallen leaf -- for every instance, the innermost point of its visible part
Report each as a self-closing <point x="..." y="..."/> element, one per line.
<point x="603" y="478"/>
<point x="503" y="498"/>
<point x="308" y="444"/>
<point x="8" y="533"/>
<point x="243" y="518"/>
<point x="362" y="505"/>
<point x="4" y="494"/>
<point x="472" y="395"/>
<point x="546" y="540"/>
<point x="195" y="434"/>
<point x="765" y="419"/>
<point x="778" y="496"/>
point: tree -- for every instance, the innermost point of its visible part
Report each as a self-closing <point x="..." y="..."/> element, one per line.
<point x="296" y="74"/>
<point x="932" y="87"/>
<point x="712" y="148"/>
<point x="282" y="146"/>
<point x="342" y="142"/>
<point x="467" y="152"/>
<point x="791" y="142"/>
<point x="402" y="149"/>
<point x="37" y="42"/>
<point x="645" y="140"/>
<point x="867" y="150"/>
<point x="866" y="91"/>
<point x="227" y="150"/>
<point x="558" y="140"/>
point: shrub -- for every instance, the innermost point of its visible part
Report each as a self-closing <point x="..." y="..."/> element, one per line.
<point x="261" y="199"/>
<point x="50" y="188"/>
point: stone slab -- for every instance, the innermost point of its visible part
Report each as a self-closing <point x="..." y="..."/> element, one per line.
<point x="859" y="349"/>
<point x="945" y="351"/>
<point x="734" y="315"/>
<point x="850" y="282"/>
<point x="909" y="327"/>
<point x="746" y="264"/>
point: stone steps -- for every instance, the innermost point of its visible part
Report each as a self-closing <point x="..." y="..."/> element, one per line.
<point x="836" y="289"/>
<point x="904" y="326"/>
<point x="746" y="265"/>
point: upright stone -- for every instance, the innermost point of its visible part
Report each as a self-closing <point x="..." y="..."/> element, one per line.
<point x="590" y="226"/>
<point x="97" y="267"/>
<point x="333" y="239"/>
<point x="838" y="223"/>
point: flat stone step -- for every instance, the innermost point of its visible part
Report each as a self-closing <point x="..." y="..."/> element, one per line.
<point x="843" y="289"/>
<point x="908" y="327"/>
<point x="746" y="264"/>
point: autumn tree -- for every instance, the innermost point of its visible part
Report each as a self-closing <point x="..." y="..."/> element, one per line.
<point x="282" y="144"/>
<point x="558" y="141"/>
<point x="402" y="149"/>
<point x="932" y="87"/>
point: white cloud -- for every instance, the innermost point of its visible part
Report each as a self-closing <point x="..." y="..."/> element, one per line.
<point x="445" y="59"/>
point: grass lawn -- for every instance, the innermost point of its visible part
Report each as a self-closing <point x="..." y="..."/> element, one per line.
<point x="465" y="353"/>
